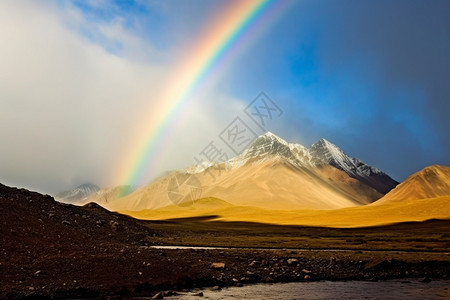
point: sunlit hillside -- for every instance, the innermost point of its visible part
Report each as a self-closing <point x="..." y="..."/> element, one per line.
<point x="431" y="182"/>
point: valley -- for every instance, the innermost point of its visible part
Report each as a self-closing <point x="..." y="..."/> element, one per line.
<point x="226" y="149"/>
<point x="278" y="212"/>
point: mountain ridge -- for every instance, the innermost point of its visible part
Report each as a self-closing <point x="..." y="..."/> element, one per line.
<point x="270" y="173"/>
<point x="355" y="167"/>
<point x="318" y="153"/>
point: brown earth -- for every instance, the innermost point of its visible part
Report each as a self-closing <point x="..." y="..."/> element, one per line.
<point x="55" y="250"/>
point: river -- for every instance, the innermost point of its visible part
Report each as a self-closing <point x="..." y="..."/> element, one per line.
<point x="388" y="289"/>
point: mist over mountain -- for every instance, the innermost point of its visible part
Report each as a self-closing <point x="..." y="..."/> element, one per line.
<point x="80" y="192"/>
<point x="86" y="193"/>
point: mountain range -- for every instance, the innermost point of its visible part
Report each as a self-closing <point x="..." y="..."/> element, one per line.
<point x="88" y="192"/>
<point x="423" y="196"/>
<point x="274" y="181"/>
<point x="272" y="174"/>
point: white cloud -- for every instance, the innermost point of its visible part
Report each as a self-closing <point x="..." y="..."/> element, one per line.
<point x="69" y="107"/>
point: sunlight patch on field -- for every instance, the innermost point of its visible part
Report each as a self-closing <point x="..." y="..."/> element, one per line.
<point x="369" y="215"/>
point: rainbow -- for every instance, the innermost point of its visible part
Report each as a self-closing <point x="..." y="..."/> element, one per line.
<point x="230" y="31"/>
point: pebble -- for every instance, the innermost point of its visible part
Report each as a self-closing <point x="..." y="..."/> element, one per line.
<point x="218" y="265"/>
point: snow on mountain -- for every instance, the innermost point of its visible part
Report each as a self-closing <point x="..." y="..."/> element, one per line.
<point x="334" y="156"/>
<point x="271" y="147"/>
<point x="356" y="168"/>
<point x="78" y="193"/>
<point x="266" y="146"/>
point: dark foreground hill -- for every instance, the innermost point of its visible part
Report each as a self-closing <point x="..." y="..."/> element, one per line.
<point x="54" y="250"/>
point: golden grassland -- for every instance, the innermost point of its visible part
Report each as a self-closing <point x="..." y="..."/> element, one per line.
<point x="361" y="216"/>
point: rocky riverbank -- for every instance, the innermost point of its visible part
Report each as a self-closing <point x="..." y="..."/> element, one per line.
<point x="141" y="271"/>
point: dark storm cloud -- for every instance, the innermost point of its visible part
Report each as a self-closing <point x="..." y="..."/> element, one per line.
<point x="402" y="50"/>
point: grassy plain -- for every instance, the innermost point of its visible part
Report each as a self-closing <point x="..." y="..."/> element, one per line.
<point x="352" y="217"/>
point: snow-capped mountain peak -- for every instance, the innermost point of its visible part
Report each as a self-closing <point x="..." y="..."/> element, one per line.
<point x="272" y="137"/>
<point x="330" y="153"/>
<point x="333" y="155"/>
<point x="266" y="146"/>
<point x="270" y="147"/>
<point x="356" y="168"/>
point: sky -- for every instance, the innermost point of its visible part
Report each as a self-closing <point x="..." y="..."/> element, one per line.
<point x="77" y="79"/>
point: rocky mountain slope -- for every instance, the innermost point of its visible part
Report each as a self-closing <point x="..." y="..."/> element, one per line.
<point x="355" y="168"/>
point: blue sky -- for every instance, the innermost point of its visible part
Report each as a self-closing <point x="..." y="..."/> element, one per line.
<point x="370" y="76"/>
